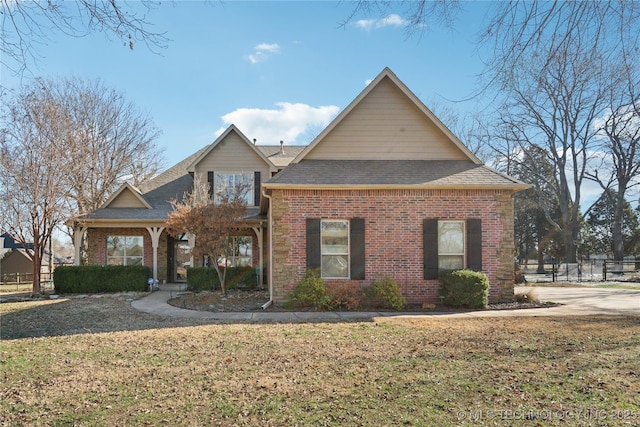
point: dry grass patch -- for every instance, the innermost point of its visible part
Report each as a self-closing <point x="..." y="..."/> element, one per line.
<point x="391" y="371"/>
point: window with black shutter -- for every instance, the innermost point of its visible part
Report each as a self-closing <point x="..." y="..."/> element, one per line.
<point x="336" y="247"/>
<point x="451" y="245"/>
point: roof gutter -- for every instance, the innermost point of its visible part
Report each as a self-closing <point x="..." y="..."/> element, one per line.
<point x="509" y="187"/>
<point x="270" y="247"/>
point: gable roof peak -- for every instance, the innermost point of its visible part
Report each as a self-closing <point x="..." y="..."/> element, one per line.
<point x="222" y="137"/>
<point x="133" y="190"/>
<point x="386" y="73"/>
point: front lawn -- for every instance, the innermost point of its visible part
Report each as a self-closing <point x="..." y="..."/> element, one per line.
<point x="391" y="371"/>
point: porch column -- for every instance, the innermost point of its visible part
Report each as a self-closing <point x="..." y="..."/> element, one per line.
<point x="155" y="233"/>
<point x="78" y="234"/>
<point x="191" y="239"/>
<point x="258" y="231"/>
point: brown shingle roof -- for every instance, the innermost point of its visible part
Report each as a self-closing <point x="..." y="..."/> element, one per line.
<point x="274" y="154"/>
<point x="173" y="184"/>
<point x="394" y="173"/>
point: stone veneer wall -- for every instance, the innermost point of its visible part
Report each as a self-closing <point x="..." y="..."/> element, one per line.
<point x="394" y="234"/>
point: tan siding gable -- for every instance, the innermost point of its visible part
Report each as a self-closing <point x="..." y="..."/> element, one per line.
<point x="126" y="199"/>
<point x="231" y="155"/>
<point x="386" y="125"/>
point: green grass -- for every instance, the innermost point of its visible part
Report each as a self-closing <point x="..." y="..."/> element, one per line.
<point x="388" y="371"/>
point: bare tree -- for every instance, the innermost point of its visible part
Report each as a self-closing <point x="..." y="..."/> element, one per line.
<point x="28" y="24"/>
<point x="553" y="101"/>
<point x="66" y="146"/>
<point x="214" y="221"/>
<point x="31" y="172"/>
<point x="109" y="141"/>
<point x="618" y="168"/>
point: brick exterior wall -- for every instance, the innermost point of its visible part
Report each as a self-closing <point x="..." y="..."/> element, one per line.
<point x="394" y="234"/>
<point x="97" y="244"/>
<point x="97" y="248"/>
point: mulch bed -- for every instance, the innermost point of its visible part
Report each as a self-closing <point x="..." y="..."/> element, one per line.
<point x="253" y="300"/>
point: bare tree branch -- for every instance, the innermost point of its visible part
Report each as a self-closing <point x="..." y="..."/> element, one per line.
<point x="27" y="25"/>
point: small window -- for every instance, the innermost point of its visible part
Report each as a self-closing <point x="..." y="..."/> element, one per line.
<point x="451" y="245"/>
<point x="334" y="242"/>
<point x="226" y="184"/>
<point x="125" y="250"/>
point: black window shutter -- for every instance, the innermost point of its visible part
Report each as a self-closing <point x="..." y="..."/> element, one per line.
<point x="356" y="231"/>
<point x="210" y="181"/>
<point x="313" y="243"/>
<point x="474" y="244"/>
<point x="430" y="248"/>
<point x="256" y="188"/>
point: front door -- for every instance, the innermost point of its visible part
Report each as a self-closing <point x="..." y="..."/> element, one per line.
<point x="181" y="260"/>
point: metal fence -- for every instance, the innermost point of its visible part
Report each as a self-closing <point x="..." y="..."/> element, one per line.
<point x="585" y="271"/>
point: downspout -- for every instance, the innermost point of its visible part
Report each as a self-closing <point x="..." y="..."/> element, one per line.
<point x="270" y="252"/>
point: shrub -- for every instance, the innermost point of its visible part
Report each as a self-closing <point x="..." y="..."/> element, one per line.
<point x="311" y="292"/>
<point x="343" y="295"/>
<point x="384" y="293"/>
<point x="206" y="278"/>
<point x="242" y="277"/>
<point x="100" y="278"/>
<point x="202" y="279"/>
<point x="464" y="288"/>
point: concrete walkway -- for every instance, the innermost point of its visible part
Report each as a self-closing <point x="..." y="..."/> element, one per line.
<point x="575" y="302"/>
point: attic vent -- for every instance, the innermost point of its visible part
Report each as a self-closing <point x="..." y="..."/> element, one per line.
<point x="282" y="147"/>
<point x="254" y="141"/>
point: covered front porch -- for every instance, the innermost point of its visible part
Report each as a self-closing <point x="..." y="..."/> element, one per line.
<point x="167" y="256"/>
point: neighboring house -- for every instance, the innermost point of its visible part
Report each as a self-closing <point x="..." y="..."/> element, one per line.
<point x="8" y="243"/>
<point x="14" y="260"/>
<point x="16" y="265"/>
<point x="385" y="190"/>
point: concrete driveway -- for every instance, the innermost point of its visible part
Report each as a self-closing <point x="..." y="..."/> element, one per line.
<point x="583" y="300"/>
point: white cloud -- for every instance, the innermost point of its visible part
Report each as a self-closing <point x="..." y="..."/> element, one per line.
<point x="392" y="20"/>
<point x="291" y="123"/>
<point x="367" y="82"/>
<point x="262" y="51"/>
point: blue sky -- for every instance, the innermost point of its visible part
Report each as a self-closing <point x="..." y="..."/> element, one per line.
<point x="278" y="70"/>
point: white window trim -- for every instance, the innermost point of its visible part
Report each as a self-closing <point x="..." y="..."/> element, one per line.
<point x="464" y="242"/>
<point x="124" y="257"/>
<point x="250" y="199"/>
<point x="347" y="254"/>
